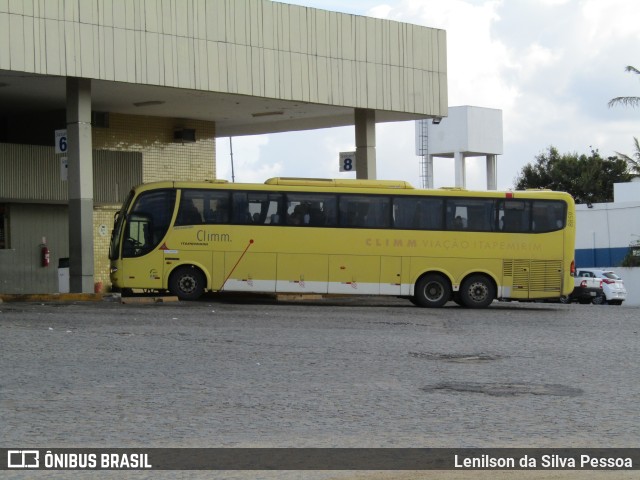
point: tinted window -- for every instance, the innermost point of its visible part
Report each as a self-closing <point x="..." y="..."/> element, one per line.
<point x="203" y="206"/>
<point x="366" y="211"/>
<point x="548" y="215"/>
<point x="257" y="208"/>
<point x="415" y="213"/>
<point x="514" y="216"/>
<point x="470" y="214"/>
<point x="311" y="209"/>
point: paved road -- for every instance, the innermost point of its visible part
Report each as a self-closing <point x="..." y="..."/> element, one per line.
<point x="343" y="373"/>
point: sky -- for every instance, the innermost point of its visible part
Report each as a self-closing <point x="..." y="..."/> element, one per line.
<point x="551" y="66"/>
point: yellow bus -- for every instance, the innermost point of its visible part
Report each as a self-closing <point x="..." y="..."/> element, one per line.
<point x="351" y="237"/>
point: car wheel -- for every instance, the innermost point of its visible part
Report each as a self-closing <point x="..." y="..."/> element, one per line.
<point x="599" y="300"/>
<point x="477" y="291"/>
<point x="187" y="283"/>
<point x="432" y="290"/>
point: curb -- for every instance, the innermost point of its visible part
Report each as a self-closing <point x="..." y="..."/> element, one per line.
<point x="52" y="297"/>
<point x="145" y="300"/>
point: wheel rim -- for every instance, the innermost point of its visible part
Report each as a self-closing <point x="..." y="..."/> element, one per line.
<point x="478" y="292"/>
<point x="433" y="291"/>
<point x="187" y="284"/>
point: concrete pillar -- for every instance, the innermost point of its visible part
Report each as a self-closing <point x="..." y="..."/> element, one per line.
<point x="492" y="173"/>
<point x="80" y="177"/>
<point x="365" y="121"/>
<point x="428" y="171"/>
<point x="461" y="175"/>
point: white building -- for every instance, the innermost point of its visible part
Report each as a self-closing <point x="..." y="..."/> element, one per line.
<point x="605" y="230"/>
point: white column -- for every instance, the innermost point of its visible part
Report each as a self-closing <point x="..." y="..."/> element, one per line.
<point x="80" y="177"/>
<point x="460" y="170"/>
<point x="365" y="121"/>
<point x="428" y="171"/>
<point x="492" y="173"/>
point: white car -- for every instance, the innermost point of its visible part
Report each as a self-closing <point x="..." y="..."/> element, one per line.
<point x="612" y="284"/>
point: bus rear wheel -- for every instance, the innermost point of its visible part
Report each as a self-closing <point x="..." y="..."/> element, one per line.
<point x="432" y="290"/>
<point x="187" y="283"/>
<point x="477" y="291"/>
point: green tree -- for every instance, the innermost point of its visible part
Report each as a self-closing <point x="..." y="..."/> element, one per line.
<point x="633" y="160"/>
<point x="627" y="101"/>
<point x="589" y="178"/>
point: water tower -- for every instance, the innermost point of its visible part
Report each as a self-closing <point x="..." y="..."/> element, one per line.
<point x="466" y="132"/>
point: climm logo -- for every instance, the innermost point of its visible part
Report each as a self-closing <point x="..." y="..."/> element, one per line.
<point x="204" y="236"/>
<point x="390" y="242"/>
<point x="453" y="244"/>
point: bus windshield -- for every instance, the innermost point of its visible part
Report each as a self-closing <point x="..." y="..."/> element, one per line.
<point x="116" y="233"/>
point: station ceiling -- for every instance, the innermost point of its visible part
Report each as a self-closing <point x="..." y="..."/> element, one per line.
<point x="234" y="115"/>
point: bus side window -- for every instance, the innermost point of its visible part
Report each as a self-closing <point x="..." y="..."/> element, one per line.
<point x="188" y="212"/>
<point x="548" y="215"/>
<point x="417" y="213"/>
<point x="514" y="216"/>
<point x="365" y="211"/>
<point x="456" y="215"/>
<point x="240" y="208"/>
<point x="311" y="209"/>
<point x="256" y="208"/>
<point x="216" y="207"/>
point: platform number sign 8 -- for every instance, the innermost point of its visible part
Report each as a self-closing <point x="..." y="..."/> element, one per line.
<point x="347" y="161"/>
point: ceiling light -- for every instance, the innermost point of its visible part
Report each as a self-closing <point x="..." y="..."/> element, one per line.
<point x="266" y="114"/>
<point x="148" y="103"/>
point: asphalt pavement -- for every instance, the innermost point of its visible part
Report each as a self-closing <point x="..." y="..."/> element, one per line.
<point x="346" y="372"/>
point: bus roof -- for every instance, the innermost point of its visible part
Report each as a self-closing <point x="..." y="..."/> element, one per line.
<point x="338" y="182"/>
<point x="344" y="185"/>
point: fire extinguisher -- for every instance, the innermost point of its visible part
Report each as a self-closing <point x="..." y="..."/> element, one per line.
<point x="45" y="254"/>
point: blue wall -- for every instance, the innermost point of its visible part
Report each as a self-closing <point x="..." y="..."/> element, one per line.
<point x="600" y="257"/>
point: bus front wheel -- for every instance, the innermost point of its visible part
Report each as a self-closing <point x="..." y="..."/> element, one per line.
<point x="432" y="290"/>
<point x="187" y="283"/>
<point x="477" y="291"/>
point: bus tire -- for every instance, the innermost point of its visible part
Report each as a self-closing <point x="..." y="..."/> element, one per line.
<point x="432" y="290"/>
<point x="414" y="301"/>
<point x="477" y="291"/>
<point x="187" y="283"/>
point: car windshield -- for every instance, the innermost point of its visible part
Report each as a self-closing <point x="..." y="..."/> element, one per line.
<point x="611" y="275"/>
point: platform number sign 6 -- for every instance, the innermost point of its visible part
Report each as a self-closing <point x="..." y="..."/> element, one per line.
<point x="61" y="141"/>
<point x="347" y="161"/>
